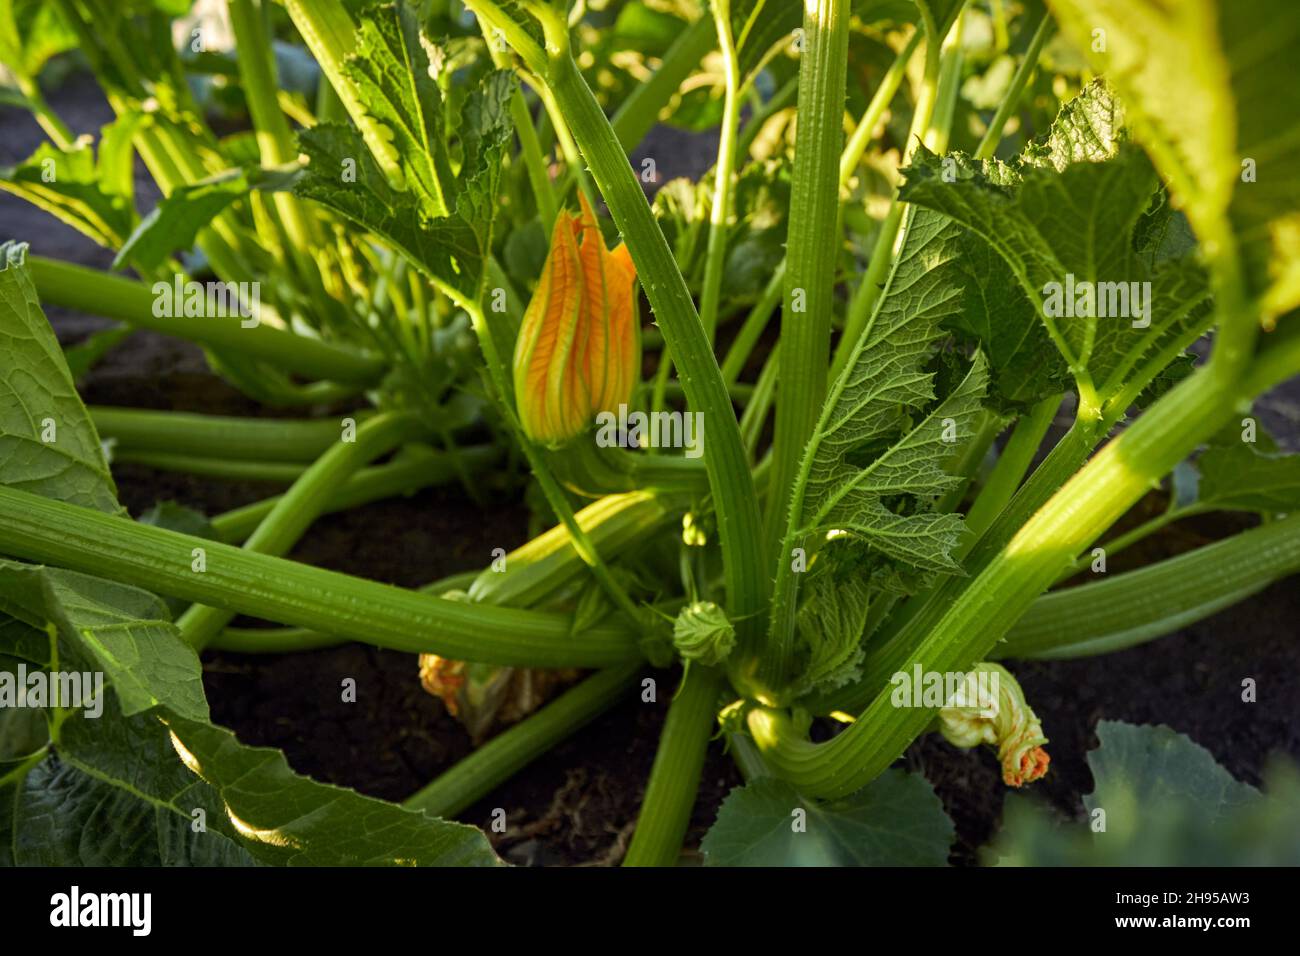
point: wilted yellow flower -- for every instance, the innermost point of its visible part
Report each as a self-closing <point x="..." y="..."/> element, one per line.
<point x="995" y="712"/>
<point x="579" y="349"/>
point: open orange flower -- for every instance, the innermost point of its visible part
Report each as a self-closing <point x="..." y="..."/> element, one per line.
<point x="579" y="349"/>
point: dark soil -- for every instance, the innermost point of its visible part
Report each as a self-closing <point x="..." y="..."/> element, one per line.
<point x="576" y="804"/>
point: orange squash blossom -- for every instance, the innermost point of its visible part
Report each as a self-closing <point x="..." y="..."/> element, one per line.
<point x="579" y="349"/>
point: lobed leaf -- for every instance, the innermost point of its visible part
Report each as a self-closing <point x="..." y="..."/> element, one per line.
<point x="1160" y="800"/>
<point x="450" y="247"/>
<point x="1201" y="81"/>
<point x="896" y="820"/>
<point x="868" y="416"/>
<point x="48" y="444"/>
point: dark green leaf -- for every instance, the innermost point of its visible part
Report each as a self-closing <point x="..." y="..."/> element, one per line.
<point x="65" y="817"/>
<point x="1159" y="800"/>
<point x="1203" y="85"/>
<point x="1240" y="478"/>
<point x="451" y="249"/>
<point x="896" y="820"/>
<point x="867" y="449"/>
<point x="48" y="444"/>
<point x="391" y="69"/>
<point x="175" y="222"/>
<point x="120" y="630"/>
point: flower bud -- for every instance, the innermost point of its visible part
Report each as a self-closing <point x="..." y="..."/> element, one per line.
<point x="579" y="351"/>
<point x="990" y="708"/>
<point x="703" y="633"/>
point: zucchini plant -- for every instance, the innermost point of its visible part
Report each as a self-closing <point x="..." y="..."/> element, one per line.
<point x="833" y="556"/>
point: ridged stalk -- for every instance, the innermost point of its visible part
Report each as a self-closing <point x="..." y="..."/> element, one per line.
<point x="304" y="502"/>
<point x="1138" y="606"/>
<point x="288" y="592"/>
<point x="416" y="467"/>
<point x="811" y="251"/>
<point x="88" y="290"/>
<point x="675" y="777"/>
<point x="724" y="170"/>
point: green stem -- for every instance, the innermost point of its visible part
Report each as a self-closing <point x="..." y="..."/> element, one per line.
<point x="303" y="503"/>
<point x="748" y="758"/>
<point x="1129" y="609"/>
<point x="729" y="477"/>
<point x="756" y="321"/>
<point x="288" y="592"/>
<point x="274" y="138"/>
<point x="1011" y="99"/>
<point x="224" y="469"/>
<point x="675" y="776"/>
<point x="724" y="171"/>
<point x="753" y="327"/>
<point x="945" y="103"/>
<point x="545" y="564"/>
<point x="91" y="291"/>
<point x="291" y="640"/>
<point x="513" y="749"/>
<point x="416" y="467"/>
<point x="875" y="112"/>
<point x="754" y="417"/>
<point x="186" y="433"/>
<point x="966" y="464"/>
<point x="812" y="245"/>
<point x="640" y="111"/>
<point x="535" y="162"/>
<point x="53" y="125"/>
<point x="1013" y="464"/>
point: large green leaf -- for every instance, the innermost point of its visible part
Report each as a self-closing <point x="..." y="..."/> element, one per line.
<point x="896" y="820"/>
<point x="122" y="631"/>
<point x="48" y="444"/>
<point x="1237" y="477"/>
<point x="64" y="817"/>
<point x="1067" y="231"/>
<point x="396" y="82"/>
<point x="174" y="223"/>
<point x="451" y="248"/>
<point x="123" y="788"/>
<point x="1025" y="367"/>
<point x="1159" y="800"/>
<point x="867" y="450"/>
<point x="32" y="31"/>
<point x="1210" y="90"/>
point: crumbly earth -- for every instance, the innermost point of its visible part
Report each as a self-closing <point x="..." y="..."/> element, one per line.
<point x="576" y="804"/>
